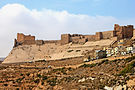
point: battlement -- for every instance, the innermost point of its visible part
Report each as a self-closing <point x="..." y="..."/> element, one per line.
<point x="119" y="32"/>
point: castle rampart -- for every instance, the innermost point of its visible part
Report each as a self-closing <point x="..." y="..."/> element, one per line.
<point x="123" y="31"/>
<point x="119" y="32"/>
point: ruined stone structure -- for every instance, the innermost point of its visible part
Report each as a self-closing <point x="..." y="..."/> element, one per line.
<point x="123" y="31"/>
<point x="24" y="40"/>
<point x="119" y="32"/>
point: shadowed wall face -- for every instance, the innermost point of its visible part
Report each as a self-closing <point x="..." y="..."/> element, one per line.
<point x="123" y="31"/>
<point x="25" y="39"/>
<point x="65" y="39"/>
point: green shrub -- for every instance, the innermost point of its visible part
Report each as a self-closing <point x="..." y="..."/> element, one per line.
<point x="42" y="83"/>
<point x="70" y="69"/>
<point x="5" y="84"/>
<point x="62" y="70"/>
<point x="88" y="65"/>
<point x="104" y="61"/>
<point x="69" y="79"/>
<point x="128" y="69"/>
<point x="78" y="50"/>
<point x="1" y="81"/>
<point x="52" y="81"/>
<point x="38" y="75"/>
<point x="28" y="74"/>
<point x="36" y="81"/>
<point x="115" y="60"/>
<point x="70" y="50"/>
<point x="130" y="58"/>
<point x="21" y="74"/>
<point x="41" y="61"/>
<point x="44" y="77"/>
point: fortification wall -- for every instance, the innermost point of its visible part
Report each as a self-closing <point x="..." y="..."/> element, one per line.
<point x="28" y="42"/>
<point x="120" y="32"/>
<point x="24" y="39"/>
<point x="133" y="34"/>
<point x="123" y="31"/>
<point x="90" y="37"/>
<point x="20" y="37"/>
<point x="77" y="38"/>
<point x="52" y="41"/>
<point x="98" y="36"/>
<point x="29" y="38"/>
<point x="65" y="39"/>
<point x="107" y="34"/>
<point x="128" y="31"/>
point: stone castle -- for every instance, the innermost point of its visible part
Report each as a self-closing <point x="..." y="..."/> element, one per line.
<point x="119" y="32"/>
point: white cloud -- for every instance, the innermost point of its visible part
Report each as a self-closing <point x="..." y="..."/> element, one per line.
<point x="47" y="24"/>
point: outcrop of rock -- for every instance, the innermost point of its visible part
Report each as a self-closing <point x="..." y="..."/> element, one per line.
<point x="28" y="53"/>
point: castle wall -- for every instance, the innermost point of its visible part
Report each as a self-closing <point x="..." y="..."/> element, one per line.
<point x="52" y="41"/>
<point x="128" y="31"/>
<point x="99" y="36"/>
<point x="20" y="37"/>
<point x="119" y="32"/>
<point x="29" y="38"/>
<point x="25" y="39"/>
<point x="133" y="34"/>
<point x="107" y="34"/>
<point x="82" y="41"/>
<point x="28" y="42"/>
<point x="123" y="31"/>
<point x="65" y="39"/>
<point x="90" y="37"/>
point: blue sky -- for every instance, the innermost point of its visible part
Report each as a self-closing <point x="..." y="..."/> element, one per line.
<point x="48" y="19"/>
<point x="116" y="8"/>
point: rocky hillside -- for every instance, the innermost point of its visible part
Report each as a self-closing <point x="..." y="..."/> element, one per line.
<point x="28" y="53"/>
<point x="118" y="74"/>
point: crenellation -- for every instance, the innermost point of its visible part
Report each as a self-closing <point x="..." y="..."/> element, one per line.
<point x="119" y="32"/>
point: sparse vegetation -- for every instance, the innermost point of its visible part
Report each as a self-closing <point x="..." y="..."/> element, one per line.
<point x="36" y="81"/>
<point x="128" y="69"/>
<point x="44" y="77"/>
<point x="130" y="59"/>
<point x="70" y="51"/>
<point x="62" y="70"/>
<point x="106" y="72"/>
<point x="78" y="50"/>
<point x="38" y="75"/>
<point x="28" y="74"/>
<point x="52" y="81"/>
<point x="104" y="61"/>
<point x="88" y="65"/>
<point x="41" y="61"/>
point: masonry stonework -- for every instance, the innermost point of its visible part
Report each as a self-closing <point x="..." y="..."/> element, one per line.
<point x="119" y="32"/>
<point x="65" y="39"/>
<point x="24" y="39"/>
<point x="123" y="31"/>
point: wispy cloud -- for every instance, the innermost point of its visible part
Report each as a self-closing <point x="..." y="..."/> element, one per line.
<point x="47" y="24"/>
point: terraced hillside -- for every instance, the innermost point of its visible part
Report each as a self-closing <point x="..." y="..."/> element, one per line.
<point x="67" y="75"/>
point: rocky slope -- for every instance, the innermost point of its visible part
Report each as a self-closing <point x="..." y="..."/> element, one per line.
<point x="118" y="74"/>
<point x="28" y="53"/>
